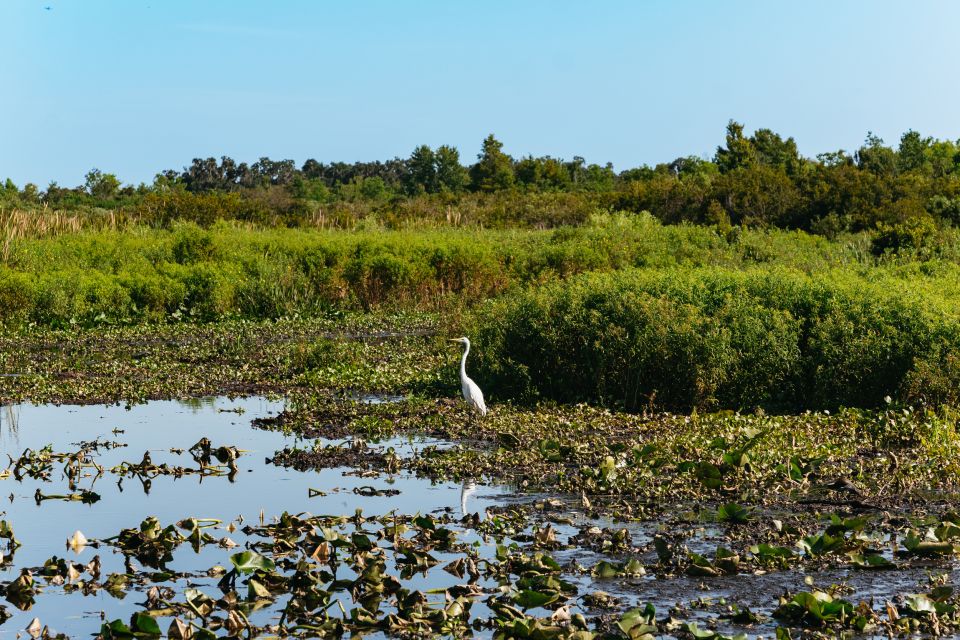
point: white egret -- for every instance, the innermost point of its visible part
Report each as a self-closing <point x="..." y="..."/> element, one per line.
<point x="471" y="392"/>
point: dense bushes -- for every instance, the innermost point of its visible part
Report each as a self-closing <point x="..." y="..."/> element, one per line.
<point x="227" y="270"/>
<point x="715" y="338"/>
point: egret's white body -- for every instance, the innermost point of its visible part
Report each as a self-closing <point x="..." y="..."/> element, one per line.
<point x="471" y="392"/>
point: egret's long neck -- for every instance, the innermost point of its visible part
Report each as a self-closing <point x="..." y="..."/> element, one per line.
<point x="463" y="362"/>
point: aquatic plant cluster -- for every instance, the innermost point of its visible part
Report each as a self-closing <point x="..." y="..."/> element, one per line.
<point x="653" y="516"/>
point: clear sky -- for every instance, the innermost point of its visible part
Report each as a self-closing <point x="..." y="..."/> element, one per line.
<point x="136" y="86"/>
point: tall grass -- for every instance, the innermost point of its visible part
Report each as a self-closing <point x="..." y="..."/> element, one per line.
<point x="20" y="224"/>
<point x="125" y="272"/>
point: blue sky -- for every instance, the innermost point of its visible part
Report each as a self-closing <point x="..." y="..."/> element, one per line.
<point x="136" y="86"/>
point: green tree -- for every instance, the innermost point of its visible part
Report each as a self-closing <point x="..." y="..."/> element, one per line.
<point x="9" y="193"/>
<point x="103" y="186"/>
<point x="597" y="178"/>
<point x="30" y="193"/>
<point x="875" y="157"/>
<point x="494" y="169"/>
<point x="758" y="196"/>
<point x="544" y="174"/>
<point x="945" y="208"/>
<point x="834" y="158"/>
<point x="944" y="158"/>
<point x="527" y="171"/>
<point x="373" y="188"/>
<point x="421" y="174"/>
<point x="451" y="175"/>
<point x="913" y="152"/>
<point x="739" y="151"/>
<point x="774" y="151"/>
<point x="312" y="189"/>
<point x="690" y="167"/>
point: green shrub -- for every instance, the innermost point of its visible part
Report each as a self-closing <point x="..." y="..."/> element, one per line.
<point x="376" y="274"/>
<point x="192" y="244"/>
<point x="153" y="295"/>
<point x="910" y="236"/>
<point x="715" y="338"/>
<point x="208" y="292"/>
<point x="16" y="296"/>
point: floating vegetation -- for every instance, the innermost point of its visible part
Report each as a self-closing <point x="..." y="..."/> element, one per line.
<point x="531" y="569"/>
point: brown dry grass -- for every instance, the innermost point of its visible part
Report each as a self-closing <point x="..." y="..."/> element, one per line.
<point x="17" y="224"/>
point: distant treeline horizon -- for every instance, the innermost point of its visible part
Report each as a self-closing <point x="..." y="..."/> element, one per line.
<point x="760" y="180"/>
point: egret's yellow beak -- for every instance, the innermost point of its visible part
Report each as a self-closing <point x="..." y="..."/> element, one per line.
<point x="454" y="340"/>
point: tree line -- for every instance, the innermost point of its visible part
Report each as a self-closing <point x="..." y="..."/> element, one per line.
<point x="758" y="180"/>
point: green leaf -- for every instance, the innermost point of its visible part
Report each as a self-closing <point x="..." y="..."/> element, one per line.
<point x="919" y="603"/>
<point x="941" y="593"/>
<point x="360" y="541"/>
<point x="818" y="545"/>
<point x="726" y="560"/>
<point x="633" y="567"/>
<point x="115" y="629"/>
<point x="550" y="450"/>
<point x="250" y="561"/>
<point x="709" y="475"/>
<point x="733" y="512"/>
<point x="920" y="547"/>
<point x="528" y="599"/>
<point x="605" y="570"/>
<point x="638" y="622"/>
<point x="700" y="566"/>
<point x="868" y="560"/>
<point x="143" y="623"/>
<point x="256" y="590"/>
<point x="766" y="551"/>
<point x="706" y="634"/>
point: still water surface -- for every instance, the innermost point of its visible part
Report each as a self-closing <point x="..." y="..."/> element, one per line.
<point x="158" y="427"/>
<point x="259" y="487"/>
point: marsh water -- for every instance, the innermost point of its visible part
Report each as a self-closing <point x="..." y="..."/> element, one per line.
<point x="259" y="491"/>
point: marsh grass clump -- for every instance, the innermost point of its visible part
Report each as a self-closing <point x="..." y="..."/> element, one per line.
<point x="709" y="338"/>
